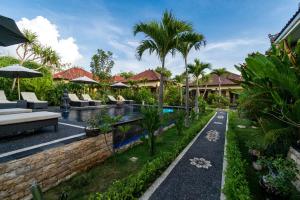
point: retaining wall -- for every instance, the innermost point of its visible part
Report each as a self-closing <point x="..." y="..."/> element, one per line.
<point x="50" y="167"/>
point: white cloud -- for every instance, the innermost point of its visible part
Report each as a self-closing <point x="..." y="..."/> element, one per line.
<point x="48" y="35"/>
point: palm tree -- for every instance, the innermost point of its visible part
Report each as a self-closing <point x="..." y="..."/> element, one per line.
<point x="205" y="79"/>
<point x="197" y="70"/>
<point x="219" y="72"/>
<point x="187" y="42"/>
<point x="179" y="80"/>
<point x="161" y="38"/>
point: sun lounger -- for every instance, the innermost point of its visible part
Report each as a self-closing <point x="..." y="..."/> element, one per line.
<point x="113" y="100"/>
<point x="121" y="98"/>
<point x="32" y="101"/>
<point x="75" y="101"/>
<point x="15" y="124"/>
<point x="4" y="103"/>
<point x="10" y="111"/>
<point x="92" y="102"/>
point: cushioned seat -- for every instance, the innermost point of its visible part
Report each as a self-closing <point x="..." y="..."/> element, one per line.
<point x="75" y="101"/>
<point x="13" y="124"/>
<point x="113" y="100"/>
<point x="91" y="101"/>
<point x="32" y="101"/>
<point x="121" y="98"/>
<point x="4" y="103"/>
<point x="14" y="111"/>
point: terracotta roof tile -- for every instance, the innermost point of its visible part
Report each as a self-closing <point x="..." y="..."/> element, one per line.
<point x="72" y="73"/>
<point x="150" y="75"/>
<point x="117" y="78"/>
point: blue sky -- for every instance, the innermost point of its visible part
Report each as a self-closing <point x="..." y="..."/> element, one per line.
<point x="232" y="28"/>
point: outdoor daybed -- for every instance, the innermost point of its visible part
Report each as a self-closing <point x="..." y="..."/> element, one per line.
<point x="33" y="102"/>
<point x="75" y="101"/>
<point x="91" y="101"/>
<point x="4" y="103"/>
<point x="113" y="100"/>
<point x="9" y="111"/>
<point x="121" y="98"/>
<point x="14" y="124"/>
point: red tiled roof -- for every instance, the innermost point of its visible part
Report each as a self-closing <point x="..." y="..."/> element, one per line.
<point x="72" y="73"/>
<point x="117" y="78"/>
<point x="227" y="79"/>
<point x="149" y="75"/>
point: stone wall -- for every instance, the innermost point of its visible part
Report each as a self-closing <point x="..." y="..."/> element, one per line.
<point x="50" y="167"/>
<point x="295" y="155"/>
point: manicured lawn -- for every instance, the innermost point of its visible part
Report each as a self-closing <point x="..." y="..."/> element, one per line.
<point x="245" y="136"/>
<point x="99" y="178"/>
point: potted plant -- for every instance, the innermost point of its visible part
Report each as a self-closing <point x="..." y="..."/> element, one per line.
<point x="277" y="183"/>
<point x="92" y="129"/>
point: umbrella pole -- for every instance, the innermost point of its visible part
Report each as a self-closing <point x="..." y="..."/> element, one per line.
<point x="19" y="88"/>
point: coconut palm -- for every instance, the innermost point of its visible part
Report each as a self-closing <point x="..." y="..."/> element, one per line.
<point x="197" y="70"/>
<point x="205" y="80"/>
<point x="219" y="72"/>
<point x="187" y="42"/>
<point x="161" y="38"/>
<point x="179" y="81"/>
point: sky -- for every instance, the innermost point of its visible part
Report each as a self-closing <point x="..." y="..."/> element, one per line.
<point x="77" y="28"/>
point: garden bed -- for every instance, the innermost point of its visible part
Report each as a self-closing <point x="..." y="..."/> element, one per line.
<point x="243" y="136"/>
<point x="100" y="178"/>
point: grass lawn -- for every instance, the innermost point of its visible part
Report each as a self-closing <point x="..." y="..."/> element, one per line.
<point x="100" y="177"/>
<point x="244" y="136"/>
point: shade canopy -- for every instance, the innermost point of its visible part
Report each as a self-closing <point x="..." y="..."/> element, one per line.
<point x="84" y="79"/>
<point x="10" y="33"/>
<point x="18" y="71"/>
<point x="119" y="85"/>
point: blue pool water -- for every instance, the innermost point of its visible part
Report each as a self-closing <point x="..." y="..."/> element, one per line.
<point x="168" y="110"/>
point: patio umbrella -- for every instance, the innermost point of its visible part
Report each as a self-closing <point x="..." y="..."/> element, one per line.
<point x="10" y="33"/>
<point x="84" y="80"/>
<point x="18" y="71"/>
<point x="119" y="85"/>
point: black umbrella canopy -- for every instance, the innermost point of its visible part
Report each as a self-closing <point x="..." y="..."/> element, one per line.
<point x="18" y="71"/>
<point x="119" y="85"/>
<point x="10" y="33"/>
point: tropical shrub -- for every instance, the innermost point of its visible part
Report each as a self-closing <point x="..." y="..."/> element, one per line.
<point x="217" y="101"/>
<point x="271" y="93"/>
<point x="172" y="95"/>
<point x="145" y="95"/>
<point x="179" y="117"/>
<point x="202" y="104"/>
<point x="236" y="185"/>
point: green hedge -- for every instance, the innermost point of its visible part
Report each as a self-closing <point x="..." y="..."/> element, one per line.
<point x="135" y="185"/>
<point x="236" y="185"/>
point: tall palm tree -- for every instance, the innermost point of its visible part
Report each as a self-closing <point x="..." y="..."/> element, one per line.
<point x="219" y="72"/>
<point x="179" y="82"/>
<point x="197" y="70"/>
<point x="205" y="80"/>
<point x="161" y="38"/>
<point x="187" y="42"/>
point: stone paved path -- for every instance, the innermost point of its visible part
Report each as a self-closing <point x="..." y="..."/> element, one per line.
<point x="198" y="174"/>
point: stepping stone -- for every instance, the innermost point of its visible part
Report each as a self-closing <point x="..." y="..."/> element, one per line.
<point x="200" y="163"/>
<point x="133" y="159"/>
<point x="218" y="123"/>
<point x="241" y="126"/>
<point x="212" y="135"/>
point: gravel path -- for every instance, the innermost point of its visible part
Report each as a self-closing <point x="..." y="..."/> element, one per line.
<point x="198" y="174"/>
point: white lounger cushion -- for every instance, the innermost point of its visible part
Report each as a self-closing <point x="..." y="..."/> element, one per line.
<point x="111" y="98"/>
<point x="27" y="117"/>
<point x="3" y="98"/>
<point x="74" y="97"/>
<point x="14" y="111"/>
<point x="87" y="97"/>
<point x="31" y="97"/>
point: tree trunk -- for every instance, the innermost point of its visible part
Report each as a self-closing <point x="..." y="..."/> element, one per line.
<point x="197" y="96"/>
<point x="180" y="90"/>
<point x="204" y="91"/>
<point x="186" y="93"/>
<point x="161" y="90"/>
<point x="219" y="86"/>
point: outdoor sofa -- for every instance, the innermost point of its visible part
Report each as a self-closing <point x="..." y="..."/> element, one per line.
<point x="76" y="102"/>
<point x="92" y="102"/>
<point x="121" y="98"/>
<point x="14" y="124"/>
<point x="4" y="103"/>
<point x="33" y="102"/>
<point x="9" y="111"/>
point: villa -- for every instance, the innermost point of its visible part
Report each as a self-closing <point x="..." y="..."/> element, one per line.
<point x="72" y="73"/>
<point x="148" y="78"/>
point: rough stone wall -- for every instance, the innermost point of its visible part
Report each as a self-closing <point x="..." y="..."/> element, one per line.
<point x="50" y="167"/>
<point x="295" y="155"/>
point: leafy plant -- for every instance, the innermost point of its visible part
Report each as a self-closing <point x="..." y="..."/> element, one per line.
<point x="179" y="121"/>
<point x="280" y="174"/>
<point x="151" y="123"/>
